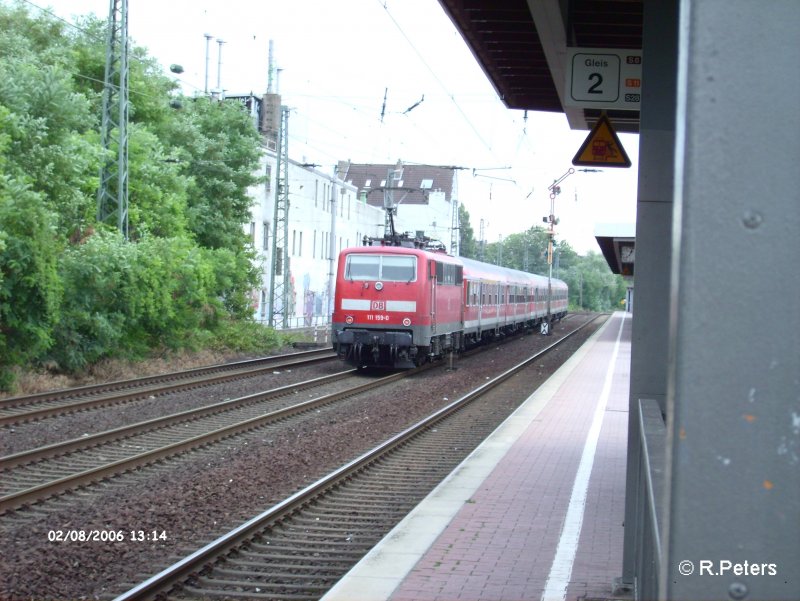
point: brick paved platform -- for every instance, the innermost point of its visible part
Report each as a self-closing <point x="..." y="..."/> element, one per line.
<point x="535" y="512"/>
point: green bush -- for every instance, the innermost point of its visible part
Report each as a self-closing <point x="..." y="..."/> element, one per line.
<point x="30" y="290"/>
<point x="247" y="337"/>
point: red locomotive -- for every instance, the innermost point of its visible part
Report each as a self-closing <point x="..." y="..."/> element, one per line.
<point x="402" y="305"/>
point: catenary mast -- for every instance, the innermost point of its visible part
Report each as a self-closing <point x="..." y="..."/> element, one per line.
<point x="112" y="194"/>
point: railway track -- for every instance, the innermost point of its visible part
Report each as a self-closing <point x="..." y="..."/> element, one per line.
<point x="36" y="474"/>
<point x="15" y="410"/>
<point x="30" y="476"/>
<point x="300" y="547"/>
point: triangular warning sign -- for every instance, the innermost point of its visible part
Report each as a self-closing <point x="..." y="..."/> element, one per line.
<point x="602" y="147"/>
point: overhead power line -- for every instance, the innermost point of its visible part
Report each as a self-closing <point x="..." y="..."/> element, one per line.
<point x="436" y="77"/>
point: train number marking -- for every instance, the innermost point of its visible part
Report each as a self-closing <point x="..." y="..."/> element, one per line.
<point x="372" y="317"/>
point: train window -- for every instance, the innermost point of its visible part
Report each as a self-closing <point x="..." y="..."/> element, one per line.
<point x="449" y="274"/>
<point x="381" y="267"/>
<point x="363" y="267"/>
<point x="473" y="292"/>
<point x="398" y="268"/>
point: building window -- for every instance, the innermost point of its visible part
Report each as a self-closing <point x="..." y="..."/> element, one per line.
<point x="253" y="232"/>
<point x="265" y="236"/>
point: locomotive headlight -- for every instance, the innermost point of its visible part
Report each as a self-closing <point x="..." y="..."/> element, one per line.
<point x="348" y="320"/>
<point x="406" y="321"/>
<point x="378" y="285"/>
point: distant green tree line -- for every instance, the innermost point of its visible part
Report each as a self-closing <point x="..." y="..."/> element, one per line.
<point x="72" y="291"/>
<point x="592" y="285"/>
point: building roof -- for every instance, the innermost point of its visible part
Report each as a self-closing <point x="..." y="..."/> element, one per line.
<point x="414" y="186"/>
<point x="617" y="241"/>
<point x="521" y="46"/>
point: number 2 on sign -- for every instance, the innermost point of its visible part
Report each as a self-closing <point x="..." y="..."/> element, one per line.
<point x="598" y="81"/>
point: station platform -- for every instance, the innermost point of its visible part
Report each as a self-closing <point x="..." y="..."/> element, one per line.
<point x="535" y="512"/>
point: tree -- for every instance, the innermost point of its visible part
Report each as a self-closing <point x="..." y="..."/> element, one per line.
<point x="515" y="246"/>
<point x="217" y="148"/>
<point x="592" y="286"/>
<point x="72" y="291"/>
<point x="467" y="245"/>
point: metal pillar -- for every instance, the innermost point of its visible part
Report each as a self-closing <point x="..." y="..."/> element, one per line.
<point x="482" y="244"/>
<point x="208" y="37"/>
<point x="653" y="249"/>
<point x="279" y="279"/>
<point x="112" y="193"/>
<point x="219" y="67"/>
<point x="455" y="225"/>
<point x="733" y="390"/>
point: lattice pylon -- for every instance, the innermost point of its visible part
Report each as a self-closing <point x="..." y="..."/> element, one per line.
<point x="112" y="193"/>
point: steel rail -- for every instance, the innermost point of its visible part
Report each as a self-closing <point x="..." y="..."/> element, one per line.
<point x="36" y="493"/>
<point x="62" y="448"/>
<point x="148" y="386"/>
<point x="160" y="583"/>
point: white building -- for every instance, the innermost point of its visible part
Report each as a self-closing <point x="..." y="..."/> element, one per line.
<point x="425" y="195"/>
<point x="324" y="216"/>
<point x="331" y="211"/>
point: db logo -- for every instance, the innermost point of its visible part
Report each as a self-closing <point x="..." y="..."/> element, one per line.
<point x="378" y="305"/>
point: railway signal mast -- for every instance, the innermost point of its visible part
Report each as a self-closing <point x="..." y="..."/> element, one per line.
<point x="555" y="190"/>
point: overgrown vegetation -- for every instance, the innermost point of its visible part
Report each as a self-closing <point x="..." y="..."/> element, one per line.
<point x="72" y="291"/>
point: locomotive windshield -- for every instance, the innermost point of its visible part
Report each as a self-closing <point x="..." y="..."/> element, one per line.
<point x="388" y="268"/>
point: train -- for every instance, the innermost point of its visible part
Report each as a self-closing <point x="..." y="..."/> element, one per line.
<point x="402" y="304"/>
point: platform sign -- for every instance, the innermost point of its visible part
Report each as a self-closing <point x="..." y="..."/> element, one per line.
<point x="604" y="78"/>
<point x="602" y="148"/>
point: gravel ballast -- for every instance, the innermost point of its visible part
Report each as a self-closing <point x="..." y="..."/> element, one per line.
<point x="189" y="501"/>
